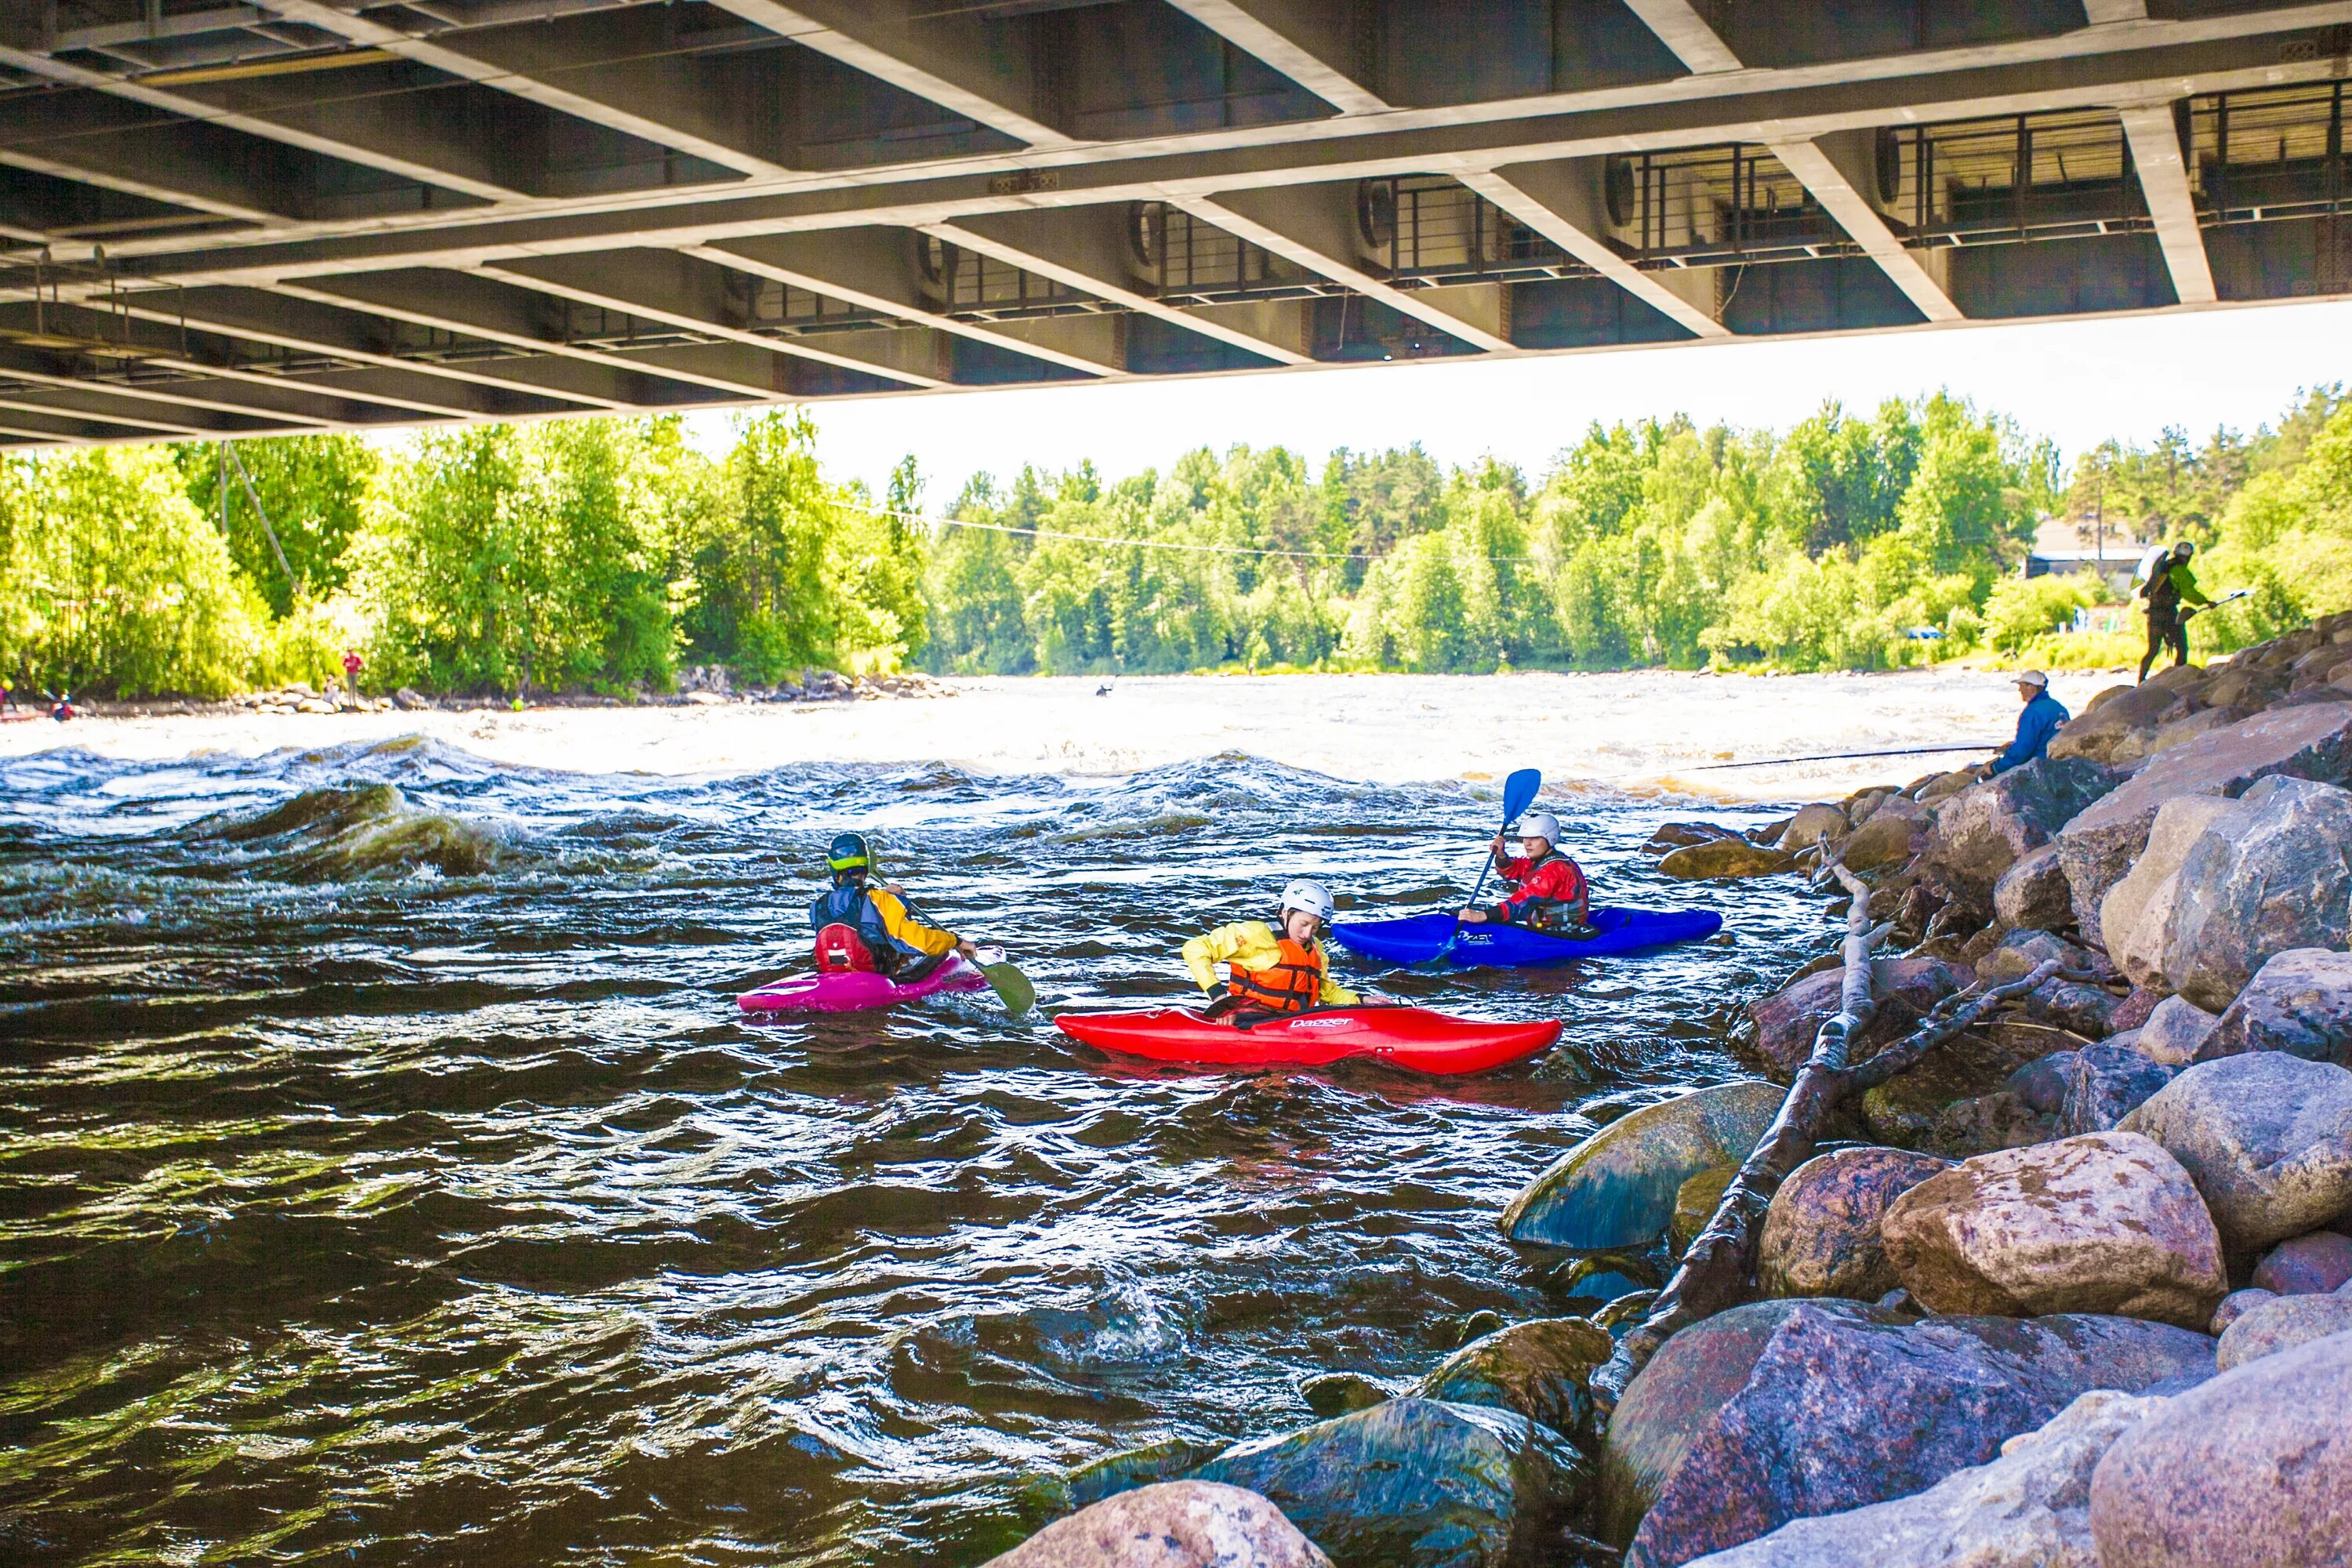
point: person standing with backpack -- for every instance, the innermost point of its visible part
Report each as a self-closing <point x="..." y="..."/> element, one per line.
<point x="2172" y="596"/>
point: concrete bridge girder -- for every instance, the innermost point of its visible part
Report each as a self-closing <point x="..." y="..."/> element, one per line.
<point x="496" y="225"/>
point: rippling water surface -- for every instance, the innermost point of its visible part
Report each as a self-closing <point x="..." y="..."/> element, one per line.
<point x="387" y="1175"/>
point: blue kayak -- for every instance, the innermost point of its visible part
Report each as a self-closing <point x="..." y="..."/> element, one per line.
<point x="1416" y="938"/>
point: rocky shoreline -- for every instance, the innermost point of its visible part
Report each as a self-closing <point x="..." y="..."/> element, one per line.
<point x="696" y="687"/>
<point x="2074" y="1289"/>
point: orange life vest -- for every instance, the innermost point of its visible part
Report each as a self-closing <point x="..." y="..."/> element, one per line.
<point x="1292" y="983"/>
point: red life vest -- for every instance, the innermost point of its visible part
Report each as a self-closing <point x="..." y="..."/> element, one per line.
<point x="841" y="951"/>
<point x="1292" y="983"/>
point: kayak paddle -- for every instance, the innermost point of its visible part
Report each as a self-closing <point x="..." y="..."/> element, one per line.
<point x="1518" y="794"/>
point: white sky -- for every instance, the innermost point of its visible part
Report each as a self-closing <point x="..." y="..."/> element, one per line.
<point x="2077" y="381"/>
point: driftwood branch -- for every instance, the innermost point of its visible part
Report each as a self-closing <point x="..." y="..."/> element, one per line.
<point x="1719" y="1270"/>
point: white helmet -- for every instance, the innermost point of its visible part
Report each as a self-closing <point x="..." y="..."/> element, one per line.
<point x="1310" y="897"/>
<point x="1542" y="824"/>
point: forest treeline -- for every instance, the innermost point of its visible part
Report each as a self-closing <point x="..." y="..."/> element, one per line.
<point x="603" y="554"/>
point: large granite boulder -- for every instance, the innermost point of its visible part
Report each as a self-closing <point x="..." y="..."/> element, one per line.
<point x="1692" y="1378"/>
<point x="1617" y="1188"/>
<point x="2252" y="1469"/>
<point x="1840" y="1409"/>
<point x="1888" y="839"/>
<point x="2175" y="1033"/>
<point x="1416" y="1483"/>
<point x="1176" y="1524"/>
<point x="2137" y="911"/>
<point x="1820" y="1234"/>
<point x="2034" y="892"/>
<point x="1986" y="829"/>
<point x="1907" y="988"/>
<point x="2314" y="1265"/>
<point x="1812" y="824"/>
<point x="2266" y="1137"/>
<point x="2107" y="1222"/>
<point x="1725" y="857"/>
<point x="2113" y="719"/>
<point x="2299" y="1002"/>
<point x="2280" y="1324"/>
<point x="2283" y="880"/>
<point x="1907" y="1110"/>
<point x="1541" y="1368"/>
<point x="2105" y="1083"/>
<point x="2100" y="843"/>
<point x="2029" y="1508"/>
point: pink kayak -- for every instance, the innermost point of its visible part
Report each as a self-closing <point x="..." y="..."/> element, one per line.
<point x="856" y="991"/>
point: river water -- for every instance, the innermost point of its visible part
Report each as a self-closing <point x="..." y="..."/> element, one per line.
<point x="387" y="1177"/>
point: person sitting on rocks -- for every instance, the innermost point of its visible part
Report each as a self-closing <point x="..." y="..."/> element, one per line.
<point x="1548" y="892"/>
<point x="2035" y="727"/>
<point x="1270" y="973"/>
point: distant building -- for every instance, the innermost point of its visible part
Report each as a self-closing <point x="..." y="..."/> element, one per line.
<point x="2065" y="547"/>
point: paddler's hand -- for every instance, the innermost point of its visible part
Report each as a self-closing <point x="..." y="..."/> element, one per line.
<point x="1474" y="916"/>
<point x="967" y="951"/>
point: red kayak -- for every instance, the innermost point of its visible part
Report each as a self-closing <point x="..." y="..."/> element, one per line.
<point x="1409" y="1037"/>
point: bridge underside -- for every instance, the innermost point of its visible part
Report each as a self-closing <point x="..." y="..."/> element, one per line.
<point x="219" y="219"/>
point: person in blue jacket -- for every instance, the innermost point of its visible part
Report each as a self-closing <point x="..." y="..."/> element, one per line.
<point x="2043" y="713"/>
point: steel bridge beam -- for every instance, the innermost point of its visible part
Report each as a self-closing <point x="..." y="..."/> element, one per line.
<point x="1835" y="169"/>
<point x="2164" y="180"/>
<point x="873" y="269"/>
<point x="1313" y="42"/>
<point x="1561" y="200"/>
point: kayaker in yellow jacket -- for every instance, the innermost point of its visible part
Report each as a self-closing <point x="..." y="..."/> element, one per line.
<point x="862" y="924"/>
<point x="1269" y="971"/>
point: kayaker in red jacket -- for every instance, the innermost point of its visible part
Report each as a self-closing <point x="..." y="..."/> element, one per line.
<point x="1548" y="889"/>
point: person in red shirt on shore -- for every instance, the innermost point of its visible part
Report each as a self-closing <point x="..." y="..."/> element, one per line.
<point x="1548" y="890"/>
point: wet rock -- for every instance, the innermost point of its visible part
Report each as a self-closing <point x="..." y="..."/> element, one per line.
<point x="1336" y="1393"/>
<point x="1694" y="1204"/>
<point x="2107" y="1222"/>
<point x="2282" y="881"/>
<point x="2282" y="1323"/>
<point x="2266" y="1137"/>
<point x="1887" y="839"/>
<point x="2236" y="1305"/>
<point x="1725" y="857"/>
<point x="1541" y="1369"/>
<point x="2175" y="1032"/>
<point x="1907" y="988"/>
<point x="2029" y="1508"/>
<point x="2041" y="1082"/>
<point x="2253" y="1470"/>
<point x="1986" y="829"/>
<point x="1177" y="1524"/>
<point x="2105" y="1084"/>
<point x="1679" y="835"/>
<point x="1821" y="1236"/>
<point x="1415" y="1482"/>
<point x="2098" y="845"/>
<point x="1985" y="1124"/>
<point x="2312" y="1265"/>
<point x="2033" y="892"/>
<point x="409" y="700"/>
<point x="1132" y="1468"/>
<point x="1617" y="1188"/>
<point x="1812" y="824"/>
<point x="1841" y="1408"/>
<point x="2105" y="728"/>
<point x="2299" y="1002"/>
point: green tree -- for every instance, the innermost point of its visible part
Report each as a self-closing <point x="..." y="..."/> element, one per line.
<point x="314" y="490"/>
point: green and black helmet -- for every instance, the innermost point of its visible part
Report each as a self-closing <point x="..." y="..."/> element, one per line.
<point x="848" y="853"/>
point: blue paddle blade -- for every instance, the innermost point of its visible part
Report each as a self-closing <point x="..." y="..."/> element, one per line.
<point x="1519" y="793"/>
